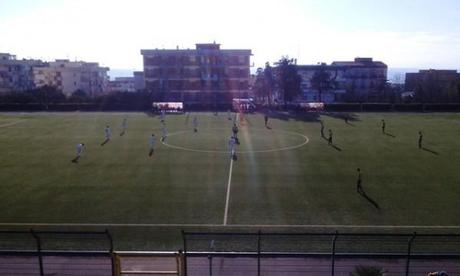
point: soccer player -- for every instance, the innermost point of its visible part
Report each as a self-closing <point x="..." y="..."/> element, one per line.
<point x="229" y="117"/>
<point x="231" y="146"/>
<point x="124" y="126"/>
<point x="152" y="142"/>
<point x="164" y="133"/>
<point x="329" y="140"/>
<point x="322" y="128"/>
<point x="383" y="126"/>
<point x="195" y="124"/>
<point x="235" y="131"/>
<point x="108" y="135"/>
<point x="420" y="139"/>
<point x="79" y="152"/>
<point x="359" y="187"/>
<point x="163" y="115"/>
<point x="266" y="120"/>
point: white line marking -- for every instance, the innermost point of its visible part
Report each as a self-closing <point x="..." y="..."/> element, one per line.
<point x="306" y="140"/>
<point x="334" y="226"/>
<point x="228" y="191"/>
<point x="228" y="186"/>
<point x="12" y="123"/>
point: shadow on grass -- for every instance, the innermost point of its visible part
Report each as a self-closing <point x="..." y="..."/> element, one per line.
<point x="187" y="118"/>
<point x="371" y="201"/>
<point x="389" y="134"/>
<point x="348" y="123"/>
<point x="347" y="117"/>
<point x="105" y="142"/>
<point x="122" y="133"/>
<point x="291" y="115"/>
<point x="150" y="114"/>
<point x="430" y="151"/>
<point x="335" y="146"/>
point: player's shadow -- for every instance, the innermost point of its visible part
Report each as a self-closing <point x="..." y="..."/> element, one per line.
<point x="371" y="201"/>
<point x="122" y="133"/>
<point x="187" y="118"/>
<point x="389" y="134"/>
<point x="75" y="160"/>
<point x="150" y="114"/>
<point x="347" y="117"/>
<point x="105" y="142"/>
<point x="350" y="124"/>
<point x="430" y="151"/>
<point x="292" y="115"/>
<point x="336" y="147"/>
<point x="268" y="127"/>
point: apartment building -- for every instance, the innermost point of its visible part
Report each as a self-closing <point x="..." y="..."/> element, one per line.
<point x="70" y="76"/>
<point x="17" y="74"/>
<point x="361" y="80"/>
<point x="206" y="74"/>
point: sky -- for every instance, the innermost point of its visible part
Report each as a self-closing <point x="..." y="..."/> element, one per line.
<point x="402" y="33"/>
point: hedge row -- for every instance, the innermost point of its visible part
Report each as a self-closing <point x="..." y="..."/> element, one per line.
<point x="339" y="107"/>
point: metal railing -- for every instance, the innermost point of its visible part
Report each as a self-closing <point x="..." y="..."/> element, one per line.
<point x="262" y="245"/>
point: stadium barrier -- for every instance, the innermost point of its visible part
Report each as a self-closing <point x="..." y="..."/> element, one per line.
<point x="344" y="248"/>
<point x="205" y="253"/>
<point x="43" y="251"/>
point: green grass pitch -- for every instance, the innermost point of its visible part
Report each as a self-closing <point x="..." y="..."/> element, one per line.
<point x="286" y="175"/>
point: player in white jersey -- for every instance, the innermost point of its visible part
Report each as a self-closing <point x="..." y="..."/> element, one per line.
<point x="124" y="126"/>
<point x="79" y="152"/>
<point x="231" y="147"/>
<point x="108" y="135"/>
<point x="195" y="124"/>
<point x="152" y="141"/>
<point x="163" y="115"/>
<point x="164" y="133"/>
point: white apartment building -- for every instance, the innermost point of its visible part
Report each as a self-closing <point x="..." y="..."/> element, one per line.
<point x="70" y="76"/>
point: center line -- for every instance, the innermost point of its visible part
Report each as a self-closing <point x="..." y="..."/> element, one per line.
<point x="229" y="184"/>
<point x="228" y="191"/>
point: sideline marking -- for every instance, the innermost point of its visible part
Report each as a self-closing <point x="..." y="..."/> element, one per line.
<point x="234" y="225"/>
<point x="12" y="123"/>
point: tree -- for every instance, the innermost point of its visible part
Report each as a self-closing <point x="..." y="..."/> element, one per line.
<point x="322" y="80"/>
<point x="46" y="95"/>
<point x="287" y="79"/>
<point x="270" y="82"/>
<point x="79" y="96"/>
<point x="259" y="85"/>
